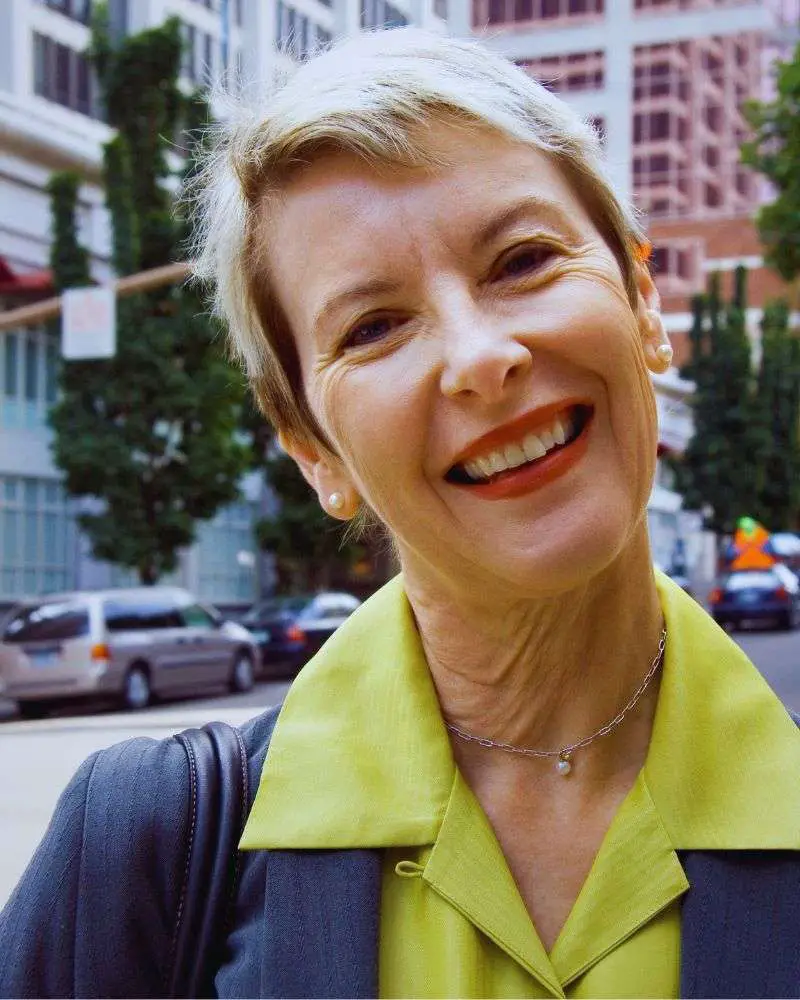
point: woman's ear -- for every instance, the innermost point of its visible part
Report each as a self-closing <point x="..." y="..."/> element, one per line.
<point x="325" y="474"/>
<point x="657" y="348"/>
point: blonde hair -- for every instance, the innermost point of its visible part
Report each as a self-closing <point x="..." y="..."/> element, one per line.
<point x="372" y="96"/>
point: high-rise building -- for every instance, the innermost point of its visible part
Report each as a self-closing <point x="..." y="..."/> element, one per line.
<point x="51" y="119"/>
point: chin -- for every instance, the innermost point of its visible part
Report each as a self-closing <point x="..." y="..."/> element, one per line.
<point x="582" y="547"/>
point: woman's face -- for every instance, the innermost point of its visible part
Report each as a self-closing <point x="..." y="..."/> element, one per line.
<point x="467" y="344"/>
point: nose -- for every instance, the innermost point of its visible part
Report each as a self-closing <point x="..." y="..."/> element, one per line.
<point x="482" y="359"/>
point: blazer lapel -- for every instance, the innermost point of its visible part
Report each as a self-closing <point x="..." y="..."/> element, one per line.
<point x="739" y="924"/>
<point x="322" y="910"/>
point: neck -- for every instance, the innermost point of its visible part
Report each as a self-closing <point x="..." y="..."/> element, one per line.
<point x="545" y="672"/>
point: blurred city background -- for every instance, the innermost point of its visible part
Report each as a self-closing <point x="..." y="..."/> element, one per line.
<point x="130" y="454"/>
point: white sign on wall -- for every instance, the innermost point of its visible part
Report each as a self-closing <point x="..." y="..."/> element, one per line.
<point x="88" y="323"/>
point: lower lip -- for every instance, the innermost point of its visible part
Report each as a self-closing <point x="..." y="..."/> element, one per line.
<point x="527" y="478"/>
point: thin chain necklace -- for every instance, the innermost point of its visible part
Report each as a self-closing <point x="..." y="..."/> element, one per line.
<point x="564" y="755"/>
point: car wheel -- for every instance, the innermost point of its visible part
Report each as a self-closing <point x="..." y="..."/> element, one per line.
<point x="34" y="709"/>
<point x="136" y="692"/>
<point x="241" y="678"/>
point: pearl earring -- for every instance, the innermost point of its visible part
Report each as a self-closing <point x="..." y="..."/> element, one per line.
<point x="336" y="501"/>
<point x="664" y="354"/>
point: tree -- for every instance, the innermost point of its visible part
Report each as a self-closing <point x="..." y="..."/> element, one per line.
<point x="152" y="435"/>
<point x="774" y="151"/>
<point x="777" y="454"/>
<point x="717" y="469"/>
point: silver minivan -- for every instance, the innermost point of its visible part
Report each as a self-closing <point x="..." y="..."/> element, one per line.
<point x="131" y="645"/>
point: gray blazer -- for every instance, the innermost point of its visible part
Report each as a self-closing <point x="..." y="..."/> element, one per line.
<point x="304" y="923"/>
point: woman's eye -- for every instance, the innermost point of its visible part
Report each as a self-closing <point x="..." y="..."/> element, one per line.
<point x="370" y="331"/>
<point x="522" y="261"/>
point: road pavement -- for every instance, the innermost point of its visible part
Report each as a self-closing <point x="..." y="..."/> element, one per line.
<point x="38" y="758"/>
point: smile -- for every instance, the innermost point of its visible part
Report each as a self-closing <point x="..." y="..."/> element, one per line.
<point x="527" y="458"/>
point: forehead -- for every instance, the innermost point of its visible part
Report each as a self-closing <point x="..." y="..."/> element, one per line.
<point x="488" y="168"/>
<point x="341" y="219"/>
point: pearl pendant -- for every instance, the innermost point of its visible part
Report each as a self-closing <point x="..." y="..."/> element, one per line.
<point x="563" y="766"/>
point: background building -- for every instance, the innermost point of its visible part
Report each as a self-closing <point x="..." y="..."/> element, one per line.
<point x="50" y="119"/>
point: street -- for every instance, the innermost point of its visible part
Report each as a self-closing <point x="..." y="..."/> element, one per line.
<point x="38" y="758"/>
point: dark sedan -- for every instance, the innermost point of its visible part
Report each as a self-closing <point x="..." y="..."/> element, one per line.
<point x="755" y="597"/>
<point x="289" y="630"/>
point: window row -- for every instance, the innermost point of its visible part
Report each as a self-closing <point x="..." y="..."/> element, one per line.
<point x="514" y="11"/>
<point x="64" y="76"/>
<point x="37" y="537"/>
<point x="569" y="74"/>
<point x="381" y="14"/>
<point x="204" y="57"/>
<point x="78" y="10"/>
<point x="297" y="34"/>
<point x="29" y="363"/>
<point x="233" y="7"/>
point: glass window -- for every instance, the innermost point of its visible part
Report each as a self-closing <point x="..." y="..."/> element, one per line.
<point x="137" y="616"/>
<point x="31" y="370"/>
<point x="49" y="621"/>
<point x="11" y="365"/>
<point x="37" y="534"/>
<point x="195" y="616"/>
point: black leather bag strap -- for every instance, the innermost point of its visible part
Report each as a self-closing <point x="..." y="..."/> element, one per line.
<point x="219" y="796"/>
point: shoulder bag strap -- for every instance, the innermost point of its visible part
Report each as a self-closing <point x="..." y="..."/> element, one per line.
<point x="218" y="788"/>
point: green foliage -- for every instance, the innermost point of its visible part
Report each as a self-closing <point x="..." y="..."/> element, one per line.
<point x="774" y="152"/>
<point x="744" y="458"/>
<point x="777" y="454"/>
<point x="716" y="469"/>
<point x="152" y="435"/>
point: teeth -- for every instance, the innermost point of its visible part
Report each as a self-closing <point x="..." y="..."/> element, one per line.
<point x="547" y="439"/>
<point x="514" y="456"/>
<point x="533" y="446"/>
<point x="497" y="461"/>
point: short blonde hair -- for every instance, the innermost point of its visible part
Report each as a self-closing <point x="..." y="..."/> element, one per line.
<point x="371" y="96"/>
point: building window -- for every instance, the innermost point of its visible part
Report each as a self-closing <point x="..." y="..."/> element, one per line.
<point x="298" y="36"/>
<point x="78" y="10"/>
<point x="226" y="550"/>
<point x="62" y="75"/>
<point x="381" y="14"/>
<point x="37" y="537"/>
<point x="29" y="361"/>
<point x="571" y="74"/>
<point x="440" y="9"/>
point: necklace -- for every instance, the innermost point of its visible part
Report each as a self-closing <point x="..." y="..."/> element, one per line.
<point x="564" y="755"/>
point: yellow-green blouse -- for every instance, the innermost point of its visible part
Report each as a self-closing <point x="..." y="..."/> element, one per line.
<point x="360" y="758"/>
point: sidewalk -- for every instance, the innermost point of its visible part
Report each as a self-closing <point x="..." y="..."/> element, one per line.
<point x="37" y="759"/>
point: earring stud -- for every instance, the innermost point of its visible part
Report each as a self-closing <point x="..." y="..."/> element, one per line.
<point x="336" y="501"/>
<point x="664" y="353"/>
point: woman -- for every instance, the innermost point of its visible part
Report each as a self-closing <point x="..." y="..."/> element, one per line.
<point x="554" y="761"/>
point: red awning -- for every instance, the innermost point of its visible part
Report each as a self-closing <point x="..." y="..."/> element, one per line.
<point x="29" y="283"/>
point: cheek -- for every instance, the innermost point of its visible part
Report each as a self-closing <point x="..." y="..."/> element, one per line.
<point x="376" y="415"/>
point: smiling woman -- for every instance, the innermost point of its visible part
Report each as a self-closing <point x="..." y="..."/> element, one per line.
<point x="530" y="766"/>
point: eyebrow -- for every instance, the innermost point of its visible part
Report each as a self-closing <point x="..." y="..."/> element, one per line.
<point x="528" y="208"/>
<point x="365" y="290"/>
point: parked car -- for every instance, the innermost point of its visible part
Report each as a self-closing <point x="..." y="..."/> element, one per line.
<point x="289" y="630"/>
<point x="757" y="596"/>
<point x="130" y="645"/>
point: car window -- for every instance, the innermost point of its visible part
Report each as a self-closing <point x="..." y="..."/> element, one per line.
<point x="196" y="616"/>
<point x="743" y="581"/>
<point x="51" y="620"/>
<point x="275" y="606"/>
<point x="137" y="616"/>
